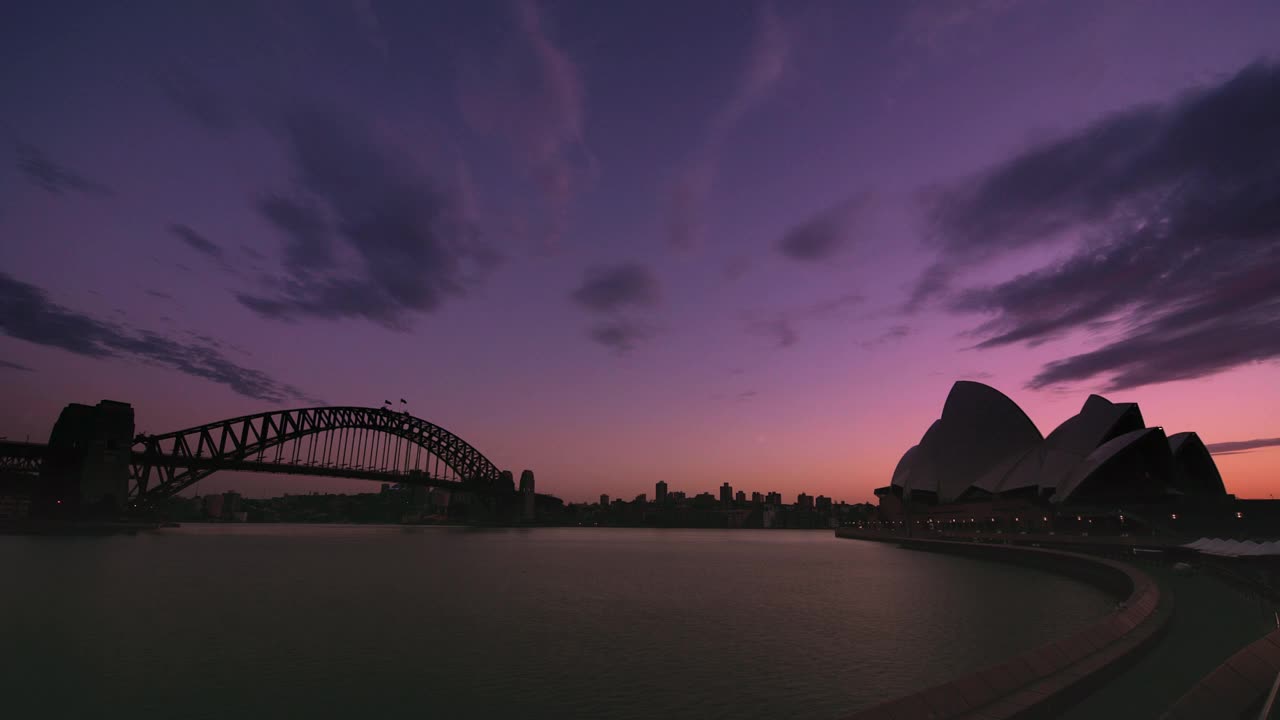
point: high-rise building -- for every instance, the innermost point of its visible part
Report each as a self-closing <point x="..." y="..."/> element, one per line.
<point x="660" y="492"/>
<point x="641" y="499"/>
<point x="822" y="503"/>
<point x="740" y="496"/>
<point x="726" y="494"/>
<point x="773" y="498"/>
<point x="757" y="498"/>
<point x="676" y="495"/>
<point x="804" y="502"/>
<point x="604" y="500"/>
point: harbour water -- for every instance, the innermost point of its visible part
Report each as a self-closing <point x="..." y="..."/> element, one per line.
<point x="313" y="621"/>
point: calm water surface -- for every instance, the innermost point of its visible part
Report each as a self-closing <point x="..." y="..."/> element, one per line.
<point x="335" y="621"/>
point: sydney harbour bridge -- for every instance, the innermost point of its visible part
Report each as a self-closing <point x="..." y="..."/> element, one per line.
<point x="95" y="458"/>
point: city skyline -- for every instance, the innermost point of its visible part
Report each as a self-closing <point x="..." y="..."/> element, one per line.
<point x="736" y="242"/>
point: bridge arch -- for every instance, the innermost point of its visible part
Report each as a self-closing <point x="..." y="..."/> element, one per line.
<point x="374" y="443"/>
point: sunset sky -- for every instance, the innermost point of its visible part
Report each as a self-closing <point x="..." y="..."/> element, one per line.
<point x="618" y="242"/>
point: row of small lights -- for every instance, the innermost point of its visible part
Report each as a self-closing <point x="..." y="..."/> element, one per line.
<point x="1079" y="518"/>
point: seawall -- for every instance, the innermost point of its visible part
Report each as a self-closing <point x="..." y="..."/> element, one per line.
<point x="1042" y="681"/>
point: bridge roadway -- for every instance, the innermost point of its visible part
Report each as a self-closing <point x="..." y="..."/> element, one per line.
<point x="314" y="469"/>
<point x="27" y="457"/>
<point x="23" y="457"/>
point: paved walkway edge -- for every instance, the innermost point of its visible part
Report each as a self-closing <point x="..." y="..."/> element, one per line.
<point x="1043" y="681"/>
<point x="1237" y="688"/>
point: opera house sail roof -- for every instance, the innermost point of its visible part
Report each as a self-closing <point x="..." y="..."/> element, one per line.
<point x="985" y="445"/>
<point x="979" y="428"/>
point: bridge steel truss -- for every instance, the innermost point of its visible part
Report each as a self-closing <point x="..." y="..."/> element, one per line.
<point x="356" y="442"/>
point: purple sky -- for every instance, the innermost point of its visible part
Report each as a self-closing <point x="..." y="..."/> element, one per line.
<point x="618" y="242"/>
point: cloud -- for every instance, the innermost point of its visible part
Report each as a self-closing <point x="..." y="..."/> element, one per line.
<point x="780" y="328"/>
<point x="620" y="335"/>
<point x="619" y="291"/>
<point x="529" y="92"/>
<point x="6" y="365"/>
<point x="781" y="325"/>
<point x="308" y="243"/>
<point x="57" y="179"/>
<point x="893" y="334"/>
<point x="1176" y="263"/>
<point x="825" y="234"/>
<point x="26" y="313"/>
<point x="765" y="64"/>
<point x="195" y="240"/>
<point x="617" y="287"/>
<point x="195" y="97"/>
<point x="413" y="244"/>
<point x="933" y="24"/>
<point x="1227" y="448"/>
<point x="371" y="26"/>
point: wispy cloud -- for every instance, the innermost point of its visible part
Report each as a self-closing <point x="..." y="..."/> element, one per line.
<point x="893" y="334"/>
<point x="618" y="291"/>
<point x="617" y="287"/>
<point x="530" y="92"/>
<point x="781" y="326"/>
<point x="1180" y="270"/>
<point x="52" y="177"/>
<point x="1238" y="446"/>
<point x="26" y="313"/>
<point x="6" y="365"/>
<point x="764" y="67"/>
<point x="196" y="241"/>
<point x="621" y="335"/>
<point x="827" y="233"/>
<point x="415" y="245"/>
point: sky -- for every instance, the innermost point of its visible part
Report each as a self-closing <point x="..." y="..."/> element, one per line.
<point x="621" y="242"/>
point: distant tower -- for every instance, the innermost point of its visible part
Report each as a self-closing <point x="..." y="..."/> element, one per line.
<point x="506" y="482"/>
<point x="526" y="493"/>
<point x="740" y="496"/>
<point x="726" y="494"/>
<point x="660" y="492"/>
<point x="604" y="500"/>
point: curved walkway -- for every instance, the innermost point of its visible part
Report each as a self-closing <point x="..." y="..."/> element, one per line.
<point x="1046" y="680"/>
<point x="1212" y="622"/>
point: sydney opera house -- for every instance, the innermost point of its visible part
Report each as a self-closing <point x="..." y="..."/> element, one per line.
<point x="985" y="457"/>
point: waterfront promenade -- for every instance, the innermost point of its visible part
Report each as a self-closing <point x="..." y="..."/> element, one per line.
<point x="1194" y="624"/>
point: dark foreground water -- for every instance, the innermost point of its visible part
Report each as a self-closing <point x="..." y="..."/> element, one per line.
<point x="325" y="621"/>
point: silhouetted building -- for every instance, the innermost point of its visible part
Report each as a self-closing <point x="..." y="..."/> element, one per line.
<point x="726" y="494"/>
<point x="773" y="498"/>
<point x="757" y="498"/>
<point x="213" y="506"/>
<point x="822" y="503"/>
<point x="641" y="499"/>
<point x="660" y="492"/>
<point x="528" y="511"/>
<point x="804" y="502"/>
<point x="604" y="500"/>
<point x="676" y="496"/>
<point x="740" y="496"/>
<point x="984" y="448"/>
